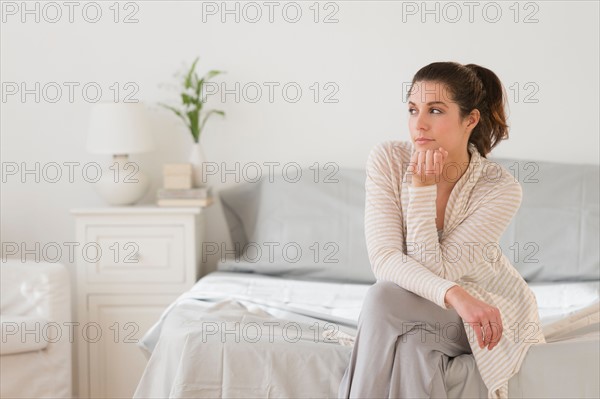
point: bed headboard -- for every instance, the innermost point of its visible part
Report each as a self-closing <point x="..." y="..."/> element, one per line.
<point x="555" y="234"/>
<point x="315" y="226"/>
<point x="553" y="237"/>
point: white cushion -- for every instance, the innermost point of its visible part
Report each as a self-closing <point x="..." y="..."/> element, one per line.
<point x="25" y="334"/>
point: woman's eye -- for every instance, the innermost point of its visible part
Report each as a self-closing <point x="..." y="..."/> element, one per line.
<point x="433" y="110"/>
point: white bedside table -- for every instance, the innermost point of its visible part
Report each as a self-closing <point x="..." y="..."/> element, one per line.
<point x="147" y="257"/>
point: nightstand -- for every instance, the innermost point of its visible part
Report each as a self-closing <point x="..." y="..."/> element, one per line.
<point x="132" y="262"/>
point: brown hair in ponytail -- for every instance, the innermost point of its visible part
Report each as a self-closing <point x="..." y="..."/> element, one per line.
<point x="472" y="87"/>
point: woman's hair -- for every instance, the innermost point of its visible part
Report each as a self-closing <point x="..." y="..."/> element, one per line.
<point x="472" y="86"/>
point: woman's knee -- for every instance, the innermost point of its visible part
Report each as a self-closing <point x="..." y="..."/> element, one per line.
<point x="386" y="296"/>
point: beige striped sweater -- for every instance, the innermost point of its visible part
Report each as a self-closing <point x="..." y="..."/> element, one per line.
<point x="404" y="247"/>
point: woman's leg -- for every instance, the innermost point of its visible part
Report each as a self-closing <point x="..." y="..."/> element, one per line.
<point x="402" y="346"/>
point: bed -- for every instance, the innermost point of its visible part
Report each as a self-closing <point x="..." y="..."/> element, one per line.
<point x="271" y="327"/>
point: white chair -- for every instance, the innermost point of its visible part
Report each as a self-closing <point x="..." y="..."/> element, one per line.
<point x="35" y="312"/>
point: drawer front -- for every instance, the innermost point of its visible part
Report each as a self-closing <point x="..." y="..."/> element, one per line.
<point x="134" y="253"/>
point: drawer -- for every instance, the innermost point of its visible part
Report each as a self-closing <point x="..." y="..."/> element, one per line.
<point x="134" y="253"/>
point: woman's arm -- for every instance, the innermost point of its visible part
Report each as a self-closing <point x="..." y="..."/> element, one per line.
<point x="483" y="226"/>
<point x="385" y="236"/>
<point x="472" y="249"/>
<point x="484" y="319"/>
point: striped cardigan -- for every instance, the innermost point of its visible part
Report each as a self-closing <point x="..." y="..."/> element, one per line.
<point x="404" y="247"/>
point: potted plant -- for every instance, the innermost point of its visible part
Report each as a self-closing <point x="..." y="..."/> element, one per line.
<point x="194" y="116"/>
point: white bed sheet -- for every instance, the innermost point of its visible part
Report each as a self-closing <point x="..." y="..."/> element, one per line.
<point x="337" y="302"/>
<point x="342" y="302"/>
<point x="222" y="369"/>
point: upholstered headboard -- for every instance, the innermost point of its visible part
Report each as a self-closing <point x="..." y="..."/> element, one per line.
<point x="303" y="228"/>
<point x="553" y="237"/>
<point x="555" y="234"/>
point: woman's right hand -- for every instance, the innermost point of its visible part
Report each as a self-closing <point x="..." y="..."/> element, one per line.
<point x="483" y="318"/>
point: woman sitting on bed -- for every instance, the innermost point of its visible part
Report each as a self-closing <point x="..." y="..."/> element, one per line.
<point x="436" y="208"/>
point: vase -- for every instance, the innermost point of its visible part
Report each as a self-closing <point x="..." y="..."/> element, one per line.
<point x="197" y="159"/>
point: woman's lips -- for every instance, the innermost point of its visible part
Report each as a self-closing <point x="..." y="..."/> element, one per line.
<point x="422" y="141"/>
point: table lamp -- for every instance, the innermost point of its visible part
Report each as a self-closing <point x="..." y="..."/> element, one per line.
<point x="120" y="129"/>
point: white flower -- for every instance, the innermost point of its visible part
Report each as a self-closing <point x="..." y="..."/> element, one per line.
<point x="190" y="92"/>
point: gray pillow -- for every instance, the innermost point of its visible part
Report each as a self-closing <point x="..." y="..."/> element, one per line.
<point x="555" y="234"/>
<point x="304" y="229"/>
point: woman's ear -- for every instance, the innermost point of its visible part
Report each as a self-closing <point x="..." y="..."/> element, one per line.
<point x="473" y="119"/>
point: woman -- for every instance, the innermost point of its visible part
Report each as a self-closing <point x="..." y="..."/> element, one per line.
<point x="436" y="208"/>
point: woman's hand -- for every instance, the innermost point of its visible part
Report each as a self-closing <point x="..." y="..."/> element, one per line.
<point x="483" y="318"/>
<point x="426" y="167"/>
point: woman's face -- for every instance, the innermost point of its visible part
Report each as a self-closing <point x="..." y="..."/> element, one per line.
<point x="433" y="116"/>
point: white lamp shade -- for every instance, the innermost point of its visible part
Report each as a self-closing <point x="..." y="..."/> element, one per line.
<point x="119" y="128"/>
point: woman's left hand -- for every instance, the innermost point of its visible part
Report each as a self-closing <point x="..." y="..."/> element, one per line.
<point x="426" y="166"/>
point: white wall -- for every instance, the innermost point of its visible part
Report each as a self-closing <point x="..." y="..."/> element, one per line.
<point x="368" y="54"/>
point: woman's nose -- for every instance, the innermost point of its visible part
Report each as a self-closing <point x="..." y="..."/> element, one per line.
<point x="421" y="122"/>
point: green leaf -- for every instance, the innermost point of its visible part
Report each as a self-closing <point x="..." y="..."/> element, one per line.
<point x="199" y="88"/>
<point x="208" y="114"/>
<point x="193" y="104"/>
<point x="211" y="74"/>
<point x="188" y="79"/>
<point x="186" y="99"/>
<point x="177" y="112"/>
<point x="204" y="79"/>
<point x="193" y="116"/>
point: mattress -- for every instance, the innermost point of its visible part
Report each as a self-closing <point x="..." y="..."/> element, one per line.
<point x="252" y="335"/>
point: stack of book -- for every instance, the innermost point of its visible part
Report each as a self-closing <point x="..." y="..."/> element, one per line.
<point x="177" y="188"/>
<point x="177" y="176"/>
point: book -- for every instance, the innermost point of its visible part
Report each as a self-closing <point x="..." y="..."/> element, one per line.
<point x="177" y="182"/>
<point x="200" y="193"/>
<point x="177" y="169"/>
<point x="185" y="202"/>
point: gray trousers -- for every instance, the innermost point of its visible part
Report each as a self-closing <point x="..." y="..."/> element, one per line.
<point x="403" y="347"/>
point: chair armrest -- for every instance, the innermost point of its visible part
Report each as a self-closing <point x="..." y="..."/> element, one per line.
<point x="40" y="290"/>
<point x="38" y="294"/>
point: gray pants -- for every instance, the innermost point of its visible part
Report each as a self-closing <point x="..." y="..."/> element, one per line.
<point x="403" y="347"/>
